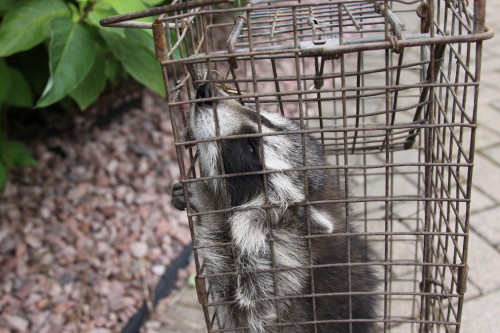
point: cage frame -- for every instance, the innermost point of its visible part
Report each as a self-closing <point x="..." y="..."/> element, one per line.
<point x="392" y="41"/>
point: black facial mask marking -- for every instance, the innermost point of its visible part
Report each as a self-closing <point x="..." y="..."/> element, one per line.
<point x="242" y="155"/>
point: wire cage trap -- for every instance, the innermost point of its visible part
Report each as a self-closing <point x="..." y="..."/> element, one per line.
<point x="389" y="91"/>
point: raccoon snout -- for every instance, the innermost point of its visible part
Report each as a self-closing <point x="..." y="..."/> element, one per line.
<point x="204" y="91"/>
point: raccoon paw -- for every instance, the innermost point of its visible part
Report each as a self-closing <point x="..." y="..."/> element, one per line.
<point x="178" y="199"/>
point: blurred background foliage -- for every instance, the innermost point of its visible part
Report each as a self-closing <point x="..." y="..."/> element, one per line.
<point x="55" y="55"/>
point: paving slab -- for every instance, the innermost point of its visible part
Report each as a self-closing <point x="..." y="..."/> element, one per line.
<point x="484" y="264"/>
<point x="487" y="136"/>
<point x="492" y="153"/>
<point x="486" y="176"/>
<point x="185" y="314"/>
<point x="486" y="224"/>
<point x="481" y="315"/>
<point x="482" y="200"/>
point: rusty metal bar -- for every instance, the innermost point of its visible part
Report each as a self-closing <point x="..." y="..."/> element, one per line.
<point x="160" y="42"/>
<point x="479" y="16"/>
<point x="351" y="16"/>
<point x="160" y="10"/>
<point x="411" y="40"/>
<point x="231" y="42"/>
<point x="431" y="77"/>
<point x="397" y="26"/>
<point x="371" y="263"/>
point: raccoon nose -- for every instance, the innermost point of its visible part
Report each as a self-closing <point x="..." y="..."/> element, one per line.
<point x="204" y="91"/>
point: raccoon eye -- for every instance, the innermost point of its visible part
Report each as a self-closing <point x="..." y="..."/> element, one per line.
<point x="252" y="147"/>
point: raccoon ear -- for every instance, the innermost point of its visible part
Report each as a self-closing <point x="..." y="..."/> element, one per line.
<point x="204" y="91"/>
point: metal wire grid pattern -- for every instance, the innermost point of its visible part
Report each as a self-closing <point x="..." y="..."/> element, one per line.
<point x="398" y="125"/>
<point x="438" y="270"/>
<point x="274" y="25"/>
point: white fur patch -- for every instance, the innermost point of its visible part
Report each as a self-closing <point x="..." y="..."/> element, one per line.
<point x="285" y="190"/>
<point x="287" y="254"/>
<point x="203" y="122"/>
<point x="276" y="118"/>
<point x="277" y="153"/>
<point x="274" y="160"/>
<point x="290" y="252"/>
<point x="322" y="219"/>
<point x="209" y="156"/>
<point x="248" y="232"/>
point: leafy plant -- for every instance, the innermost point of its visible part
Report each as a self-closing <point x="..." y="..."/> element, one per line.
<point x="55" y="51"/>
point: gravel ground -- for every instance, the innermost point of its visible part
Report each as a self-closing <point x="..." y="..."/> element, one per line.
<point x="85" y="236"/>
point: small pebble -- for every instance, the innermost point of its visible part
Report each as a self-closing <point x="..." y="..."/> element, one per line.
<point x="16" y="322"/>
<point x="158" y="269"/>
<point x="139" y="249"/>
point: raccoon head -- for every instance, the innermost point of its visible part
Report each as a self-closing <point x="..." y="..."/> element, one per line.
<point x="272" y="148"/>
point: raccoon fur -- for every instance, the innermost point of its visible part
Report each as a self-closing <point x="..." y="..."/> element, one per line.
<point x="258" y="294"/>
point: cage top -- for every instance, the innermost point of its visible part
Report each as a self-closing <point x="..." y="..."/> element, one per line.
<point x="310" y="28"/>
<point x="314" y="28"/>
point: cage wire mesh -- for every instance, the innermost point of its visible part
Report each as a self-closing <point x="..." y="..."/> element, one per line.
<point x="388" y="89"/>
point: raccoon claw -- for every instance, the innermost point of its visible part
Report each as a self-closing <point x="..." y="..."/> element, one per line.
<point x="178" y="199"/>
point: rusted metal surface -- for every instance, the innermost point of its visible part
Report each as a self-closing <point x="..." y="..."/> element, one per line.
<point x="159" y="40"/>
<point x="480" y="16"/>
<point x="392" y="103"/>
<point x="159" y="10"/>
<point x="231" y="42"/>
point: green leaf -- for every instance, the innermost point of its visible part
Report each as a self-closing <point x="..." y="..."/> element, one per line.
<point x="3" y="176"/>
<point x="72" y="52"/>
<point x="137" y="55"/>
<point x="16" y="153"/>
<point x="34" y="64"/>
<point x="92" y="85"/>
<point x="20" y="92"/>
<point x="82" y="3"/>
<point x="97" y="14"/>
<point x="153" y="2"/>
<point x="5" y="81"/>
<point x="124" y="7"/>
<point x="28" y="23"/>
<point x="113" y="69"/>
<point x="6" y="4"/>
<point x="75" y="12"/>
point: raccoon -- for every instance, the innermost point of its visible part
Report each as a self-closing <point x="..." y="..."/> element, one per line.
<point x="260" y="238"/>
